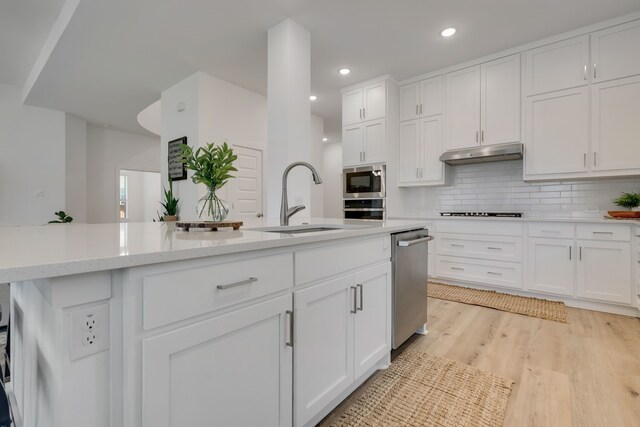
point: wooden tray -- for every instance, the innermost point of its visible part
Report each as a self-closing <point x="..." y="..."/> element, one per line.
<point x="625" y="214"/>
<point x="208" y="225"/>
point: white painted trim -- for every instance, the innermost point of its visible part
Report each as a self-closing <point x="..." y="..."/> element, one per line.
<point x="378" y="79"/>
<point x="519" y="49"/>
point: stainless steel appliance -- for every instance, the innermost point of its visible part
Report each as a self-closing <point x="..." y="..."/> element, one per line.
<point x="365" y="182"/>
<point x="482" y="154"/>
<point x="409" y="257"/>
<point x="365" y="209"/>
<point x="484" y="214"/>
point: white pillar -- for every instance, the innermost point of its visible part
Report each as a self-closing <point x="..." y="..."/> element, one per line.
<point x="289" y="133"/>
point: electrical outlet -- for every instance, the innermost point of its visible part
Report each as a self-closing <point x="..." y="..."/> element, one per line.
<point x="89" y="330"/>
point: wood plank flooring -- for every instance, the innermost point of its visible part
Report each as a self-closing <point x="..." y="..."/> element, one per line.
<point x="581" y="374"/>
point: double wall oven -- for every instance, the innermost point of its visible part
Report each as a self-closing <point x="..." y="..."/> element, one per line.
<point x="364" y="192"/>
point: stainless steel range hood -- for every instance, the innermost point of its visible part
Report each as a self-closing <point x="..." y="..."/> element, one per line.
<point x="489" y="153"/>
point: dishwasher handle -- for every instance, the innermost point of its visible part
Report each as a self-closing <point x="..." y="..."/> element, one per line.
<point x="406" y="243"/>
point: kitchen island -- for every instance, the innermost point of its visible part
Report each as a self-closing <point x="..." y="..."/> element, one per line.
<point x="143" y="325"/>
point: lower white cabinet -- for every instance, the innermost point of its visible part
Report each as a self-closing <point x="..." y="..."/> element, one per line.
<point x="551" y="266"/>
<point x="604" y="271"/>
<point x="231" y="370"/>
<point x="342" y="329"/>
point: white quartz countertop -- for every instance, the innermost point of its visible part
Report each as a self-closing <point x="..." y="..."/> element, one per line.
<point x="28" y="253"/>
<point x="592" y="220"/>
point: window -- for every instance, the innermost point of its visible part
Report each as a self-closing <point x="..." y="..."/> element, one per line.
<point x="124" y="197"/>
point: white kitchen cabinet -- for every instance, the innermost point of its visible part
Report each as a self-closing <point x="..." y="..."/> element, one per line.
<point x="557" y="134"/>
<point x="557" y="66"/>
<point x="462" y="111"/>
<point x="500" y="97"/>
<point x="420" y="147"/>
<point x="409" y="101"/>
<point x="374" y="149"/>
<point x="352" y="103"/>
<point x="604" y="271"/>
<point x="365" y="103"/>
<point x="352" y="145"/>
<point x="373" y="319"/>
<point x="421" y="99"/>
<point x="615" y="52"/>
<point x="323" y="346"/>
<point x="615" y="124"/>
<point x="211" y="372"/>
<point x="551" y="266"/>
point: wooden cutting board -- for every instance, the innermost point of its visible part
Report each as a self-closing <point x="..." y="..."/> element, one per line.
<point x="208" y="225"/>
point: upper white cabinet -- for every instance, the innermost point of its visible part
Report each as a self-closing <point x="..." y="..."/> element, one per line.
<point x="556" y="66"/>
<point x="420" y="146"/>
<point x="364" y="143"/>
<point x="421" y="99"/>
<point x="615" y="52"/>
<point x="483" y="104"/>
<point x="365" y="103"/>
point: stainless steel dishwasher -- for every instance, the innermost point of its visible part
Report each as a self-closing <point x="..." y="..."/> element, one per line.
<point x="409" y="253"/>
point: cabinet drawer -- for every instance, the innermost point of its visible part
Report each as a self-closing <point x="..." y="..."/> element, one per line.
<point x="480" y="227"/>
<point x="499" y="248"/>
<point x="326" y="261"/>
<point x="178" y="295"/>
<point x="551" y="230"/>
<point x="604" y="232"/>
<point x="496" y="273"/>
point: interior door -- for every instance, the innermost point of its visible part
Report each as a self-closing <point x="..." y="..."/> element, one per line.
<point x="352" y="103"/>
<point x="551" y="266"/>
<point x="615" y="52"/>
<point x="352" y="145"/>
<point x="500" y="95"/>
<point x="431" y="147"/>
<point x="462" y="128"/>
<point x="409" y="101"/>
<point x="373" y="318"/>
<point x="375" y="101"/>
<point x="615" y="124"/>
<point x="212" y="372"/>
<point x="604" y="271"/>
<point x="247" y="185"/>
<point x="375" y="141"/>
<point x="408" y="154"/>
<point x="557" y="133"/>
<point x="323" y="346"/>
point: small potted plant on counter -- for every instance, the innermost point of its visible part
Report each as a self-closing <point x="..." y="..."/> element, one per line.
<point x="170" y="204"/>
<point x="630" y="201"/>
<point x="63" y="218"/>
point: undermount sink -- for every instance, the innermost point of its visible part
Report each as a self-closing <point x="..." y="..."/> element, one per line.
<point x="310" y="228"/>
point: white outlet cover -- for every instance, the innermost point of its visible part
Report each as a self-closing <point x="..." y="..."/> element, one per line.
<point x="76" y="323"/>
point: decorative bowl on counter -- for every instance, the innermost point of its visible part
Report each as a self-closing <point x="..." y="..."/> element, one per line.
<point x="624" y="214"/>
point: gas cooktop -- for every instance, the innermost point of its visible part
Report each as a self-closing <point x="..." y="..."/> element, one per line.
<point x="484" y="214"/>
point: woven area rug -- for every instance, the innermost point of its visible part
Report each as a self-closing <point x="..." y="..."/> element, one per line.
<point x="422" y="390"/>
<point x="528" y="306"/>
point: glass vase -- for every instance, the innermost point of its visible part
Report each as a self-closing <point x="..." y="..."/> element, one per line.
<point x="211" y="207"/>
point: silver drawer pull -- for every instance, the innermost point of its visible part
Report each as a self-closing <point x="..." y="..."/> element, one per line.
<point x="603" y="232"/>
<point x="457" y="268"/>
<point x="551" y="231"/>
<point x="355" y="302"/>
<point x="494" y="248"/>
<point x="361" y="297"/>
<point x="240" y="283"/>
<point x="457" y="246"/>
<point x="289" y="342"/>
<point x="494" y="273"/>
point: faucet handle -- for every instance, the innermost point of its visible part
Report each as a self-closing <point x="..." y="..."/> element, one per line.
<point x="292" y="210"/>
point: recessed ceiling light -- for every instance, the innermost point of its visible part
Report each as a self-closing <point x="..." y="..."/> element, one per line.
<point x="344" y="71"/>
<point x="448" y="32"/>
<point x="313" y="98"/>
<point x="325" y="139"/>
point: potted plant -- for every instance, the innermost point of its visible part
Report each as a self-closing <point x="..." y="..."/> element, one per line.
<point x="212" y="166"/>
<point x="63" y="218"/>
<point x="630" y="201"/>
<point x="170" y="204"/>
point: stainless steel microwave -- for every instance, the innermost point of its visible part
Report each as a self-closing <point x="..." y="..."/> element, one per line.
<point x="364" y="182"/>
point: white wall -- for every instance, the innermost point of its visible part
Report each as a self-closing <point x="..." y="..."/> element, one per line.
<point x="76" y="168"/>
<point x="332" y="178"/>
<point x="109" y="150"/>
<point x="32" y="158"/>
<point x="317" y="160"/>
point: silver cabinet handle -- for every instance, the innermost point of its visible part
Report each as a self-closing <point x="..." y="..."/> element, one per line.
<point x="595" y="159"/>
<point x="361" y="297"/>
<point x="240" y="283"/>
<point x="482" y="136"/>
<point x="551" y="231"/>
<point x="364" y="113"/>
<point x="364" y="156"/>
<point x="580" y="255"/>
<point x="416" y="109"/>
<point x="417" y="172"/>
<point x="406" y="243"/>
<point x="595" y="70"/>
<point x="494" y="273"/>
<point x="603" y="232"/>
<point x="420" y="108"/>
<point x="457" y="245"/>
<point x="585" y="72"/>
<point x="355" y="302"/>
<point x="457" y="268"/>
<point x="476" y="136"/>
<point x="570" y="250"/>
<point x="494" y="248"/>
<point x="289" y="315"/>
<point x="360" y="110"/>
<point x="585" y="160"/>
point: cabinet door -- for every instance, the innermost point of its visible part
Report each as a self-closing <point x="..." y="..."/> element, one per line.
<point x="323" y="346"/>
<point x="352" y="103"/>
<point x="409" y="101"/>
<point x="375" y="141"/>
<point x="431" y="147"/>
<point x="408" y="152"/>
<point x="463" y="108"/>
<point x="615" y="52"/>
<point x="604" y="271"/>
<point x="352" y="145"/>
<point x="500" y="95"/>
<point x="615" y="124"/>
<point x="210" y="372"/>
<point x="373" y="318"/>
<point x="557" y="66"/>
<point x="551" y="266"/>
<point x="557" y="133"/>
<point x="375" y="101"/>
<point x="431" y="96"/>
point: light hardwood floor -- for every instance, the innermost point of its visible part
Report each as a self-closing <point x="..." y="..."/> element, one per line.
<point x="584" y="373"/>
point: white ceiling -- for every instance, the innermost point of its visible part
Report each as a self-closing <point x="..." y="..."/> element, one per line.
<point x="115" y="57"/>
